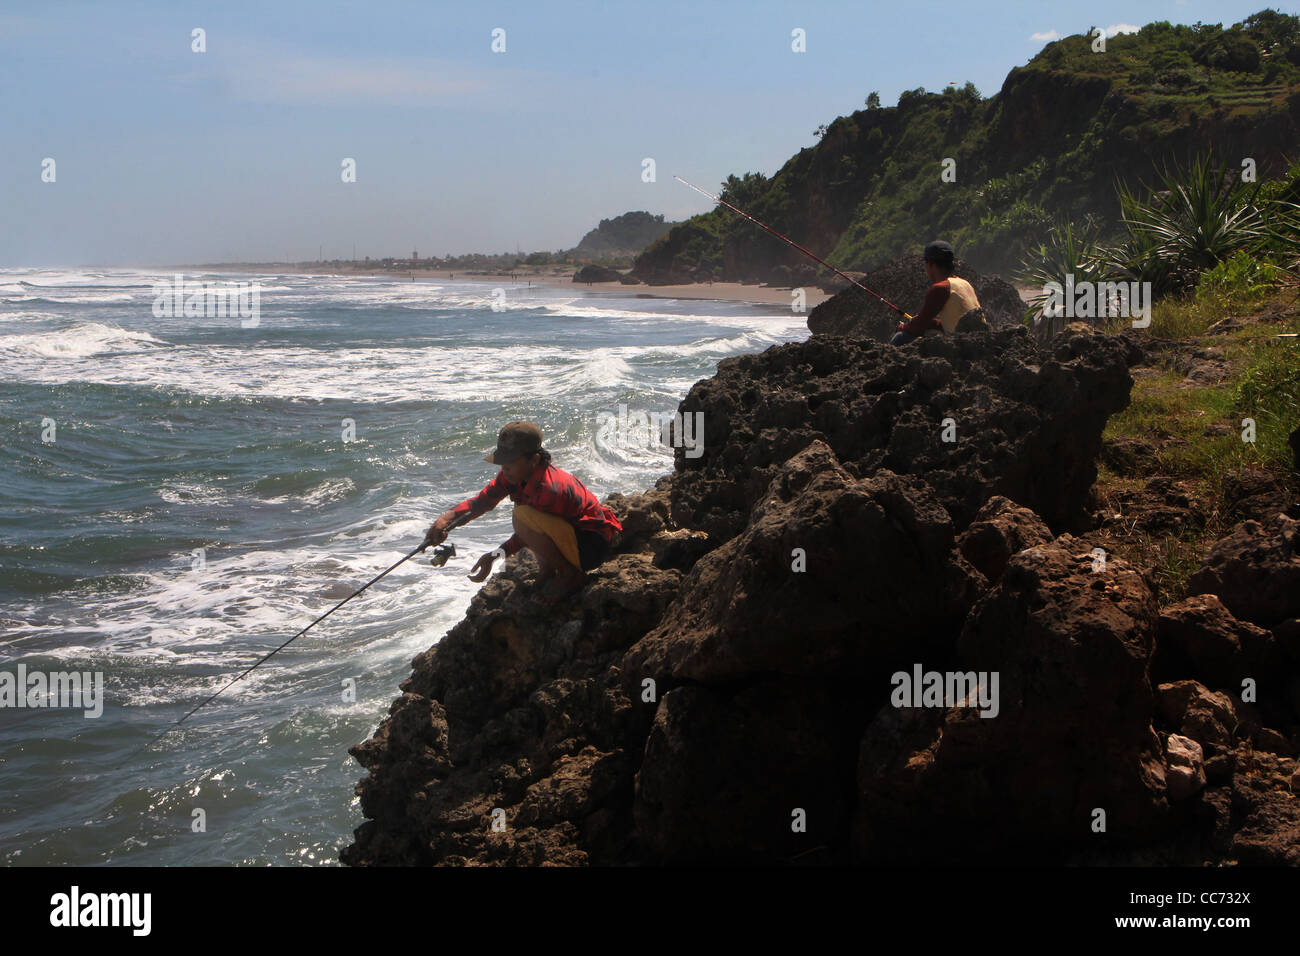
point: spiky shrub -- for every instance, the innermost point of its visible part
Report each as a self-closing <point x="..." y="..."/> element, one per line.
<point x="1196" y="217"/>
<point x="1284" y="237"/>
<point x="1070" y="249"/>
<point x="1280" y="201"/>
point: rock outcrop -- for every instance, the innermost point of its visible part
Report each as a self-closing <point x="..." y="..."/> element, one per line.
<point x="751" y="677"/>
<point x="1027" y="782"/>
<point x="1255" y="571"/>
<point x="772" y="600"/>
<point x="597" y="273"/>
<point x="517" y="710"/>
<point x="853" y="313"/>
<point x="972" y="416"/>
<point x="1001" y="529"/>
<point x="1200" y="637"/>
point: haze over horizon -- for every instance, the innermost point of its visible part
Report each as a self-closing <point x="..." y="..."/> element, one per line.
<point x="164" y="155"/>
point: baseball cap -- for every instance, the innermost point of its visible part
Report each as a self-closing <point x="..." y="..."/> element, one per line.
<point x="515" y="440"/>
<point x="940" y="252"/>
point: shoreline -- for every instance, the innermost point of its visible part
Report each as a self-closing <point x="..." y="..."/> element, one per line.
<point x="718" y="291"/>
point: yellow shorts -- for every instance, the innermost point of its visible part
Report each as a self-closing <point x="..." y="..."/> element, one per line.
<point x="556" y="528"/>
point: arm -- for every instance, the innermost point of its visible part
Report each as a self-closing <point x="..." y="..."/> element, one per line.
<point x="934" y="302"/>
<point x="468" y="510"/>
<point x="483" y="502"/>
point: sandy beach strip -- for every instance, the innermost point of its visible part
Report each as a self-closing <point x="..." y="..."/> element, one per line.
<point x="725" y="291"/>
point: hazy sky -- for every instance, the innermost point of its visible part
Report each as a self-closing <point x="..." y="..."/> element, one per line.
<point x="164" y="155"/>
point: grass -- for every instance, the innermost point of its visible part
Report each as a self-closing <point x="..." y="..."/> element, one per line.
<point x="1172" y="319"/>
<point x="1183" y="424"/>
<point x="1269" y="392"/>
<point x="1177" y="559"/>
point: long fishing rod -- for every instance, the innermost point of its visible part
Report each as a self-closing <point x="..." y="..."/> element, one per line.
<point x="442" y="552"/>
<point x="791" y="242"/>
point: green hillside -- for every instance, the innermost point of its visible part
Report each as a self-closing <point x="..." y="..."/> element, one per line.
<point x="1048" y="148"/>
<point x="626" y="235"/>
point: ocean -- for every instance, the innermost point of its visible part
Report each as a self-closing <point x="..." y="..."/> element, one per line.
<point x="180" y="495"/>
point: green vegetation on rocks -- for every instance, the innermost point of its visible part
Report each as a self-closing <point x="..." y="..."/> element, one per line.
<point x="1046" y="149"/>
<point x="622" y="237"/>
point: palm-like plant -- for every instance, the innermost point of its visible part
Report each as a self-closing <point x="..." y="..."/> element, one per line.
<point x="1199" y="216"/>
<point x="1284" y="233"/>
<point x="1069" y="250"/>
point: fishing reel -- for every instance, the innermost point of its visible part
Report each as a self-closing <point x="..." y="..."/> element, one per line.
<point x="441" y="553"/>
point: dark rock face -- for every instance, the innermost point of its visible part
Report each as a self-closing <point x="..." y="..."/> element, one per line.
<point x="749" y="608"/>
<point x="1184" y="767"/>
<point x="1253" y="493"/>
<point x="833" y="284"/>
<point x="1240" y="630"/>
<point x="723" y="690"/>
<point x="597" y="273"/>
<point x="726" y="771"/>
<point x="1001" y="528"/>
<point x="1025" y="423"/>
<point x="1270" y="833"/>
<point x="1198" y="636"/>
<point x="516" y="708"/>
<point x="1127" y="456"/>
<point x="1195" y="711"/>
<point x="855" y="314"/>
<point x="1063" y="639"/>
<point x="1255" y="571"/>
<point x="976" y="320"/>
<point x="1248" y="728"/>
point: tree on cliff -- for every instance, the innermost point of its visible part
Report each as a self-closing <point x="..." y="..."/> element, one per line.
<point x="740" y="190"/>
<point x="628" y="233"/>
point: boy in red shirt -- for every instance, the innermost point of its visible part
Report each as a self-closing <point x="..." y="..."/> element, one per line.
<point x="555" y="516"/>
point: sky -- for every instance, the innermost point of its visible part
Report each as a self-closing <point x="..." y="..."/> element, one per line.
<point x="163" y="155"/>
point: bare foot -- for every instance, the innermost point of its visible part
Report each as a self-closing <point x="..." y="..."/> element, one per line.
<point x="561" y="587"/>
<point x="544" y="575"/>
<point x="570" y="578"/>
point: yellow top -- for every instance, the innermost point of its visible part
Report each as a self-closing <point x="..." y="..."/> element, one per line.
<point x="961" y="299"/>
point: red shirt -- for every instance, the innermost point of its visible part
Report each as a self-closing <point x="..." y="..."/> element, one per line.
<point x="550" y="490"/>
<point x="928" y="317"/>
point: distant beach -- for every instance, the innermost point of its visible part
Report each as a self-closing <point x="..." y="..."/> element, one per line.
<point x="723" y="291"/>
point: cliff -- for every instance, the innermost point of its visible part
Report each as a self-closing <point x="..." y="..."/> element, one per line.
<point x="724" y="688"/>
<point x="1047" y="147"/>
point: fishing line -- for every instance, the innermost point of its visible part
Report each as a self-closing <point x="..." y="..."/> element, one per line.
<point x="791" y="242"/>
<point x="441" y="552"/>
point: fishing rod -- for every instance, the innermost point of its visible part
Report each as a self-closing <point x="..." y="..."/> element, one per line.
<point x="791" y="242"/>
<point x="441" y="553"/>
